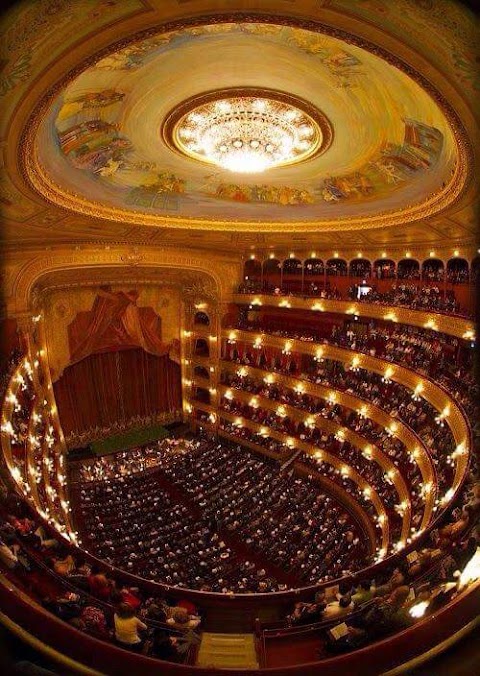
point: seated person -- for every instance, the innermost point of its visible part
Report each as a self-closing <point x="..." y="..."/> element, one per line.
<point x="7" y="555"/>
<point x="306" y="613"/>
<point x="127" y="627"/>
<point x="65" y="606"/>
<point x="94" y="620"/>
<point x="125" y="595"/>
<point x="452" y="531"/>
<point x="363" y="593"/>
<point x="396" y="580"/>
<point x="80" y="575"/>
<point x="22" y="526"/>
<point x="338" y="608"/>
<point x="64" y="564"/>
<point x="154" y="609"/>
<point x="164" y="646"/>
<point x="48" y="543"/>
<point x="423" y="561"/>
<point x="100" y="585"/>
<point x="345" y="588"/>
<point x="180" y="619"/>
<point x="387" y="614"/>
<point x="463" y="551"/>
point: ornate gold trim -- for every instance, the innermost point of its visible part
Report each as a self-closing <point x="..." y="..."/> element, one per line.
<point x="439" y="398"/>
<point x="441" y="323"/>
<point x="35" y="177"/>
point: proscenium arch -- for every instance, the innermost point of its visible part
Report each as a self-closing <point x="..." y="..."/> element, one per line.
<point x="41" y="267"/>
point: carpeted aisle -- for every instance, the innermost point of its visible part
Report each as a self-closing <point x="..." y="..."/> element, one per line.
<point x="234" y="651"/>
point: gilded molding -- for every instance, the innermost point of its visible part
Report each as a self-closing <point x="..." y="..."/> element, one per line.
<point x="434" y="394"/>
<point x="411" y="441"/>
<point x="32" y="271"/>
<point x="451" y="325"/>
<point x="435" y="203"/>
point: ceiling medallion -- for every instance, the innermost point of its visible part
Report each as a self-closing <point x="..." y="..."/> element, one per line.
<point x="247" y="131"/>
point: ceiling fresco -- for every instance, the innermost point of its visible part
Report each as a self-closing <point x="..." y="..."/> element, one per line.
<point x="392" y="145"/>
<point x="28" y="41"/>
<point x="443" y="30"/>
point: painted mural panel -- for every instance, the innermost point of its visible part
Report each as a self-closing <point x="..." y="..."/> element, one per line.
<point x="102" y="137"/>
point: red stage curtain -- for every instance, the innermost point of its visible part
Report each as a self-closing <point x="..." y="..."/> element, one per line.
<point x="110" y="387"/>
<point x="115" y="322"/>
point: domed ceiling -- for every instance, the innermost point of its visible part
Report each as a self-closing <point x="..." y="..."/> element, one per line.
<point x="88" y="90"/>
<point x="390" y="150"/>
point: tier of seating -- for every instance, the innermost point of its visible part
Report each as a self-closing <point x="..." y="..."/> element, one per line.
<point x="353" y="614"/>
<point x="324" y="468"/>
<point x="429" y="298"/>
<point x="40" y="564"/>
<point x="23" y="403"/>
<point x="82" y="595"/>
<point x="370" y="471"/>
<point x="395" y="398"/>
<point x="409" y="295"/>
<point x="445" y="359"/>
<point x="352" y="419"/>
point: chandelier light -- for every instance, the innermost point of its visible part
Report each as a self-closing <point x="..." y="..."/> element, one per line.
<point x="246" y="133"/>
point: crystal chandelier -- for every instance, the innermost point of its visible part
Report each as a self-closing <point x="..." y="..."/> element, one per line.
<point x="247" y="134"/>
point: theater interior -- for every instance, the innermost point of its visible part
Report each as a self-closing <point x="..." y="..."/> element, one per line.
<point x="239" y="379"/>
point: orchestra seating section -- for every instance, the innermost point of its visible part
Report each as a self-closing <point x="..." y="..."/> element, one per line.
<point x="202" y="513"/>
<point x="325" y="498"/>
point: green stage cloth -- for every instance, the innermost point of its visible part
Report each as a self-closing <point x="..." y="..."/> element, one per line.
<point x="122" y="442"/>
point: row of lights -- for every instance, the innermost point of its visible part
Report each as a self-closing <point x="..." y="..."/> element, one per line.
<point x="471" y="572"/>
<point x="355" y="367"/>
<point x="391" y="430"/>
<point x="402" y="508"/>
<point x="388" y="373"/>
<point x="354" y="310"/>
<point x="35" y="443"/>
<point x="344" y="470"/>
<point x="335" y="254"/>
<point x="339" y="436"/>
